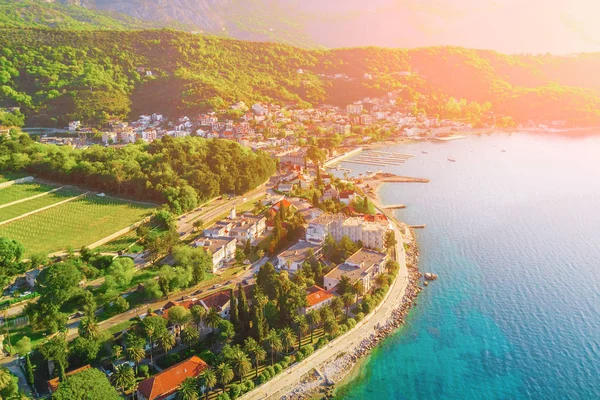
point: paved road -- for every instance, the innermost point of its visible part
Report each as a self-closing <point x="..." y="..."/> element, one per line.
<point x="283" y="383"/>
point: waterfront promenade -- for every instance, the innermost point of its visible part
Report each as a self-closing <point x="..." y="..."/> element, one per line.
<point x="285" y="382"/>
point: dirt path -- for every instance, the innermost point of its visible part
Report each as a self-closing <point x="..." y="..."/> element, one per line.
<point x="8" y="221"/>
<point x="32" y="197"/>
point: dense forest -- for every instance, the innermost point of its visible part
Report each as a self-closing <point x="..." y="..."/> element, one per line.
<point x="59" y="75"/>
<point x="179" y="172"/>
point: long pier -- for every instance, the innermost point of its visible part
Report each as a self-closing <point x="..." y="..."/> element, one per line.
<point x="395" y="206"/>
<point x="417" y="226"/>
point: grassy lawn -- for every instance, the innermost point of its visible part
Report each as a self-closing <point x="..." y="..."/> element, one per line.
<point x="119" y="244"/>
<point x="74" y="224"/>
<point x="14" y="211"/>
<point x="120" y="327"/>
<point x="22" y="191"/>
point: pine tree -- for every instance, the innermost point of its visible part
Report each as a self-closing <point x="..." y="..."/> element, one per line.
<point x="315" y="199"/>
<point x="366" y="204"/>
<point x="29" y="370"/>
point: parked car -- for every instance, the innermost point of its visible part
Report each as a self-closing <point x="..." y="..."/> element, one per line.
<point x="198" y="292"/>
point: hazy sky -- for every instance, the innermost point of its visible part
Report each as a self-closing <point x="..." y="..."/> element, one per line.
<point x="511" y="26"/>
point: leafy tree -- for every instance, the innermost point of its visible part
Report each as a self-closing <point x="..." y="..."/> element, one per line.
<point x="390" y="240"/>
<point x="122" y="270"/>
<point x="88" y="328"/>
<point x="8" y="384"/>
<point x="152" y="290"/>
<point x="179" y="315"/>
<point x="29" y="371"/>
<point x="359" y="289"/>
<point x="301" y="326"/>
<point x="198" y="314"/>
<point x="226" y="331"/>
<point x="90" y="384"/>
<point x="135" y="348"/>
<point x="23" y="346"/>
<point x="56" y="349"/>
<point x="347" y="299"/>
<point x="57" y="283"/>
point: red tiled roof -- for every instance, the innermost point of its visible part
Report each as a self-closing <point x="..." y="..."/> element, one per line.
<point x="375" y="218"/>
<point x="217" y="300"/>
<point x="316" y="295"/>
<point x="167" y="382"/>
<point x="53" y="383"/>
<point x="345" y="194"/>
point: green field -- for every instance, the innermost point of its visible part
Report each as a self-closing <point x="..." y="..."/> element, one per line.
<point x="119" y="244"/>
<point x="75" y="224"/>
<point x="14" y="211"/>
<point x="22" y="191"/>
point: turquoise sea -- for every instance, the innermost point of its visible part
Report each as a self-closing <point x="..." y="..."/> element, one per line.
<point x="515" y="239"/>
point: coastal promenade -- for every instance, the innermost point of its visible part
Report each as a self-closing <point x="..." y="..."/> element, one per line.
<point x="287" y="380"/>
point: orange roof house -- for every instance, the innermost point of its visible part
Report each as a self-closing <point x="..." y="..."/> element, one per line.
<point x="317" y="297"/>
<point x="166" y="383"/>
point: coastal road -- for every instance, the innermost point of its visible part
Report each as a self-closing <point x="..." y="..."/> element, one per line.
<point x="284" y="382"/>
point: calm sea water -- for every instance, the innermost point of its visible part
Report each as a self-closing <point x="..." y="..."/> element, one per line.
<point x="515" y="239"/>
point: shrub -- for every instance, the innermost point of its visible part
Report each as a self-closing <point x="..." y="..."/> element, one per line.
<point x="143" y="371"/>
<point x="267" y="374"/>
<point x="351" y="323"/>
<point x="234" y="391"/>
<point x="299" y="356"/>
<point x="359" y="316"/>
<point x="271" y="370"/>
<point x="321" y="342"/>
<point x="262" y="378"/>
<point x="308" y="350"/>
<point x="278" y="368"/>
<point x="208" y="356"/>
<point x="223" y="396"/>
<point x="248" y="385"/>
<point x="173" y="359"/>
<point x="286" y="362"/>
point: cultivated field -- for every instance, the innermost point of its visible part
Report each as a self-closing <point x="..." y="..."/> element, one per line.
<point x="22" y="191"/>
<point x="27" y="206"/>
<point x="74" y="224"/>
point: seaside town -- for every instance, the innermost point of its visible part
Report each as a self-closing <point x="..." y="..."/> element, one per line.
<point x="308" y="247"/>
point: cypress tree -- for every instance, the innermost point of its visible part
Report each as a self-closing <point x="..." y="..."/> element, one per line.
<point x="243" y="311"/>
<point x="233" y="313"/>
<point x="315" y="199"/>
<point x="366" y="204"/>
<point x="258" y="324"/>
<point x="29" y="370"/>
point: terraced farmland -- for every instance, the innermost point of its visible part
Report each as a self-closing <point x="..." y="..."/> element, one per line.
<point x="25" y="207"/>
<point x="22" y="191"/>
<point x="77" y="223"/>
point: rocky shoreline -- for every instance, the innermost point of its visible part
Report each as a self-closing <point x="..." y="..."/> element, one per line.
<point x="321" y="381"/>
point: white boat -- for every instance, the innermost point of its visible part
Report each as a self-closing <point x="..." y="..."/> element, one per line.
<point x="504" y="151"/>
<point x="451" y="159"/>
<point x="424" y="152"/>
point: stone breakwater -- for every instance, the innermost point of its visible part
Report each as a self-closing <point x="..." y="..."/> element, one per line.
<point x="322" y="379"/>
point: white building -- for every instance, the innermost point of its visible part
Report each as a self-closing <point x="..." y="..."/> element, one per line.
<point x="355" y="108"/>
<point x="364" y="265"/>
<point x="370" y="233"/>
<point x="221" y="249"/>
<point x="293" y="258"/>
<point x="109" y="137"/>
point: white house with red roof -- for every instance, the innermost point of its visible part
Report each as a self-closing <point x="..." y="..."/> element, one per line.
<point x="165" y="384"/>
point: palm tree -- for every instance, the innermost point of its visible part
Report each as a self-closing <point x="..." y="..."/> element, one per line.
<point x="288" y="339"/>
<point x="274" y="342"/>
<point x="88" y="328"/>
<point x="117" y="352"/>
<point x="256" y="351"/>
<point x="213" y="318"/>
<point x="331" y="326"/>
<point x="188" y="390"/>
<point x="224" y="374"/>
<point x="149" y="330"/>
<point x="314" y="319"/>
<point x="123" y="378"/>
<point x="198" y="315"/>
<point x="347" y="299"/>
<point x="208" y="379"/>
<point x="241" y="363"/>
<point x="167" y="341"/>
<point x="190" y="335"/>
<point x="302" y="327"/>
<point x="359" y="289"/>
<point x="136" y="354"/>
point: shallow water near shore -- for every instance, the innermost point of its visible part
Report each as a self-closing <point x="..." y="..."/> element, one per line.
<point x="514" y="238"/>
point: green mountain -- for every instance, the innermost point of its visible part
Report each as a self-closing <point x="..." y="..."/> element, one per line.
<point x="58" y="75"/>
<point x="40" y="14"/>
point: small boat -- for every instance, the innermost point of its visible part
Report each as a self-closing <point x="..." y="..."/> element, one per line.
<point x="424" y="152"/>
<point x="451" y="159"/>
<point x="369" y="172"/>
<point x="504" y="151"/>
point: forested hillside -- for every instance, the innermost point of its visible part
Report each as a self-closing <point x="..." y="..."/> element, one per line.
<point x="58" y="75"/>
<point x="178" y="172"/>
<point x="42" y="14"/>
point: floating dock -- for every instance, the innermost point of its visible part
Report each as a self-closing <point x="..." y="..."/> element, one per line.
<point x="417" y="226"/>
<point x="395" y="206"/>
